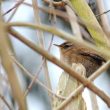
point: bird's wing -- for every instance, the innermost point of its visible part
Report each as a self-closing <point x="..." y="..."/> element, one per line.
<point x="92" y="55"/>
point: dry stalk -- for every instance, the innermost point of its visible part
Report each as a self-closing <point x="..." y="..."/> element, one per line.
<point x="93" y="101"/>
<point x="8" y="66"/>
<point x="66" y="85"/>
<point x="41" y="41"/>
<point x="73" y="21"/>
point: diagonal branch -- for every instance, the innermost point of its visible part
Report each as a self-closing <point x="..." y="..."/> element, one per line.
<point x="64" y="66"/>
<point x="81" y="88"/>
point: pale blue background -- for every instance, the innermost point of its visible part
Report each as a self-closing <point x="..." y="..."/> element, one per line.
<point x="37" y="99"/>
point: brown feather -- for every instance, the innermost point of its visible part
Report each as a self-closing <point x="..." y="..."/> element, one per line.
<point x="72" y="53"/>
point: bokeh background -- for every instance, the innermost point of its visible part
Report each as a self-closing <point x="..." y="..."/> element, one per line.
<point x="37" y="98"/>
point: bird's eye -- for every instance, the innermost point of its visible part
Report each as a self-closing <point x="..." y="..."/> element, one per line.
<point x="66" y="46"/>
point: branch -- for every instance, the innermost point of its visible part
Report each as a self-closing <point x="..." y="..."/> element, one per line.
<point x="64" y="66"/>
<point x="15" y="6"/>
<point x="81" y="88"/>
<point x="104" y="50"/>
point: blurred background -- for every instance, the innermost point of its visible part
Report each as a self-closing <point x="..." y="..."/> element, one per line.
<point x="38" y="99"/>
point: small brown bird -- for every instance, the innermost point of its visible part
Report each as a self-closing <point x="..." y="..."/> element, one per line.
<point x="72" y="53"/>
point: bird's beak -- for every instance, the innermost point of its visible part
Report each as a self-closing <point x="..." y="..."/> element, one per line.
<point x="56" y="45"/>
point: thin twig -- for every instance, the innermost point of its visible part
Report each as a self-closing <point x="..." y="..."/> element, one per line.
<point x="36" y="81"/>
<point x="12" y="15"/>
<point x="6" y="103"/>
<point x="47" y="10"/>
<point x="105" y="12"/>
<point x="40" y="67"/>
<point x="104" y="18"/>
<point x="15" y="6"/>
<point x="38" y="71"/>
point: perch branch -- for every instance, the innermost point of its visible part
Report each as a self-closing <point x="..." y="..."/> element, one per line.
<point x="81" y="88"/>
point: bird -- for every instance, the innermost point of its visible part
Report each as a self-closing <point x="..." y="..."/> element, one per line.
<point x="74" y="53"/>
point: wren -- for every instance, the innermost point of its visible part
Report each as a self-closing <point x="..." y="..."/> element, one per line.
<point x="73" y="53"/>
